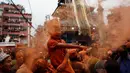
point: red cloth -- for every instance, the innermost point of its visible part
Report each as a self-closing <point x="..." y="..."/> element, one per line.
<point x="56" y="54"/>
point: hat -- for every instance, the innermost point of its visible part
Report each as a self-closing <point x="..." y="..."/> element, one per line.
<point x="3" y="55"/>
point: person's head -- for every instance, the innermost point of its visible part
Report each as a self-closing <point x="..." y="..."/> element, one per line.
<point x="56" y="35"/>
<point x="74" y="55"/>
<point x="123" y="52"/>
<point x="5" y="62"/>
<point x="105" y="53"/>
<point x="93" y="52"/>
<point x="83" y="54"/>
<point x="53" y="27"/>
<point x="112" y="66"/>
<point x="109" y="53"/>
<point x="100" y="66"/>
<point x="40" y="65"/>
<point x="20" y="57"/>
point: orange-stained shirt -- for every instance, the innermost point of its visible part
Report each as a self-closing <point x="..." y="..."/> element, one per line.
<point x="56" y="54"/>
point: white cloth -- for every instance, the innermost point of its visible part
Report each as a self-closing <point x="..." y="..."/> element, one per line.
<point x="3" y="56"/>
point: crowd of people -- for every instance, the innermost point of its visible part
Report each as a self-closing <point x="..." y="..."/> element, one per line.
<point x="67" y="58"/>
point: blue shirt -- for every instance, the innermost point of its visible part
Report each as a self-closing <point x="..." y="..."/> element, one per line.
<point x="124" y="65"/>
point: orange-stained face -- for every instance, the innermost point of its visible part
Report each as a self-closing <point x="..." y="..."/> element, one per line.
<point x="20" y="57"/>
<point x="39" y="64"/>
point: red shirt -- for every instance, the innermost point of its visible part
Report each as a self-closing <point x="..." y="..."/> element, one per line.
<point x="56" y="54"/>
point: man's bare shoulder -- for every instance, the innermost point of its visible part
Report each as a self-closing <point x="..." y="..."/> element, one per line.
<point x="23" y="69"/>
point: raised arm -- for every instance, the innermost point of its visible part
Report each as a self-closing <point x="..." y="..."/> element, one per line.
<point x="69" y="46"/>
<point x="52" y="44"/>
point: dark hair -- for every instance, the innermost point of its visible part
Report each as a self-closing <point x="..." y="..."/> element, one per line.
<point x="1" y="62"/>
<point x="112" y="66"/>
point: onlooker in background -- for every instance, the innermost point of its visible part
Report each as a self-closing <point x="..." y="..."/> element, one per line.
<point x="100" y="66"/>
<point x="76" y="62"/>
<point x="19" y="58"/>
<point x="112" y="66"/>
<point x="42" y="66"/>
<point x="5" y="63"/>
<point x="27" y="66"/>
<point x="124" y="59"/>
